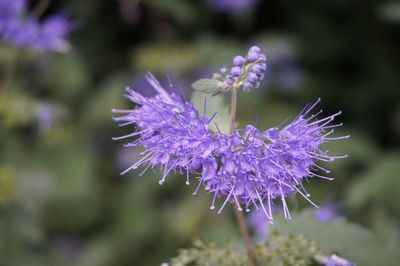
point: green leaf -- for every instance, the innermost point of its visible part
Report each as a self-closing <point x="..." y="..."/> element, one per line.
<point x="349" y="240"/>
<point x="158" y="58"/>
<point x="379" y="184"/>
<point x="209" y="86"/>
<point x="7" y="185"/>
<point x="390" y="12"/>
<point x="213" y="105"/>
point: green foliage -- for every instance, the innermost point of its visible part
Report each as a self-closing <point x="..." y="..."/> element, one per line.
<point x="174" y="58"/>
<point x="377" y="185"/>
<point x="67" y="77"/>
<point x="19" y="110"/>
<point x="278" y="250"/>
<point x="208" y="86"/>
<point x="180" y="10"/>
<point x="349" y="240"/>
<point x="215" y="104"/>
<point x="391" y="12"/>
<point x="7" y="185"/>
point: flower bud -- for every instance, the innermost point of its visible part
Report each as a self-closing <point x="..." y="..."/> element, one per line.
<point x="238" y="60"/>
<point x="236" y="71"/>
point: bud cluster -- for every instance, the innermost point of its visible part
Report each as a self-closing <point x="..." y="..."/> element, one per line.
<point x="246" y="72"/>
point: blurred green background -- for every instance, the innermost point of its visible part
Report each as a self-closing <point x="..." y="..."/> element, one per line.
<point x="62" y="200"/>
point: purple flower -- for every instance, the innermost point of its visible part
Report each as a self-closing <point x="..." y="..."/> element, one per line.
<point x="259" y="224"/>
<point x="22" y="33"/>
<point x="239" y="60"/>
<point x="236" y="71"/>
<point x="247" y="86"/>
<point x="234" y="6"/>
<point x="285" y="72"/>
<point x="45" y="118"/>
<point x="28" y="32"/>
<point x="335" y="260"/>
<point x="252" y="57"/>
<point x="327" y="213"/>
<point x="173" y="134"/>
<point x="248" y="168"/>
<point x="53" y="34"/>
<point x="9" y="11"/>
<point x="255" y="49"/>
<point x="252" y="77"/>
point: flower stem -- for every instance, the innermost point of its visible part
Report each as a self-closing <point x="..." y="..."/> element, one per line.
<point x="232" y="116"/>
<point x="244" y="230"/>
<point x="8" y="75"/>
<point x="11" y="67"/>
<point x="40" y="8"/>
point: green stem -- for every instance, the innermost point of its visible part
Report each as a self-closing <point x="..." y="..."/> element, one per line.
<point x="244" y="230"/>
<point x="232" y="116"/>
<point x="40" y="8"/>
<point x="11" y="67"/>
<point x="8" y="74"/>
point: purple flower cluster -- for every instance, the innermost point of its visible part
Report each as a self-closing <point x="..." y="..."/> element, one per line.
<point x="249" y="168"/>
<point x="335" y="260"/>
<point x="246" y="72"/>
<point x="8" y="12"/>
<point x="28" y="32"/>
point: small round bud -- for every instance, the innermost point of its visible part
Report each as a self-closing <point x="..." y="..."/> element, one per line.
<point x="239" y="60"/>
<point x="254" y="49"/>
<point x="263" y="67"/>
<point x="252" y="78"/>
<point x="229" y="81"/>
<point x="223" y="70"/>
<point x="262" y="58"/>
<point x="256" y="69"/>
<point x="247" y="86"/>
<point x="252" y="57"/>
<point x="236" y="71"/>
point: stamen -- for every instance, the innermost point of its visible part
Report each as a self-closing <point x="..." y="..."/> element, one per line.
<point x="226" y="200"/>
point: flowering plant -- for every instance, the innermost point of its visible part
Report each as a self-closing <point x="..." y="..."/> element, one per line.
<point x="26" y="31"/>
<point x="247" y="167"/>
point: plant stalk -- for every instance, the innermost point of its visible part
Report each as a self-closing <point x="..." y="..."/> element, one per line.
<point x="40" y="8"/>
<point x="244" y="230"/>
<point x="8" y="74"/>
<point x="11" y="67"/>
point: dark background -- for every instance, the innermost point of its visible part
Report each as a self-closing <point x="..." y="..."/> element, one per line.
<point x="62" y="200"/>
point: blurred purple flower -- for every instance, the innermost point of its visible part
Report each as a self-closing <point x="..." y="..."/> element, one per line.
<point x="258" y="223"/>
<point x="327" y="213"/>
<point x="67" y="247"/>
<point x="52" y="35"/>
<point x="249" y="168"/>
<point x="285" y="72"/>
<point x="335" y="260"/>
<point x="45" y="118"/>
<point x="9" y="11"/>
<point x="234" y="6"/>
<point x="28" y="32"/>
<point x="22" y="33"/>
